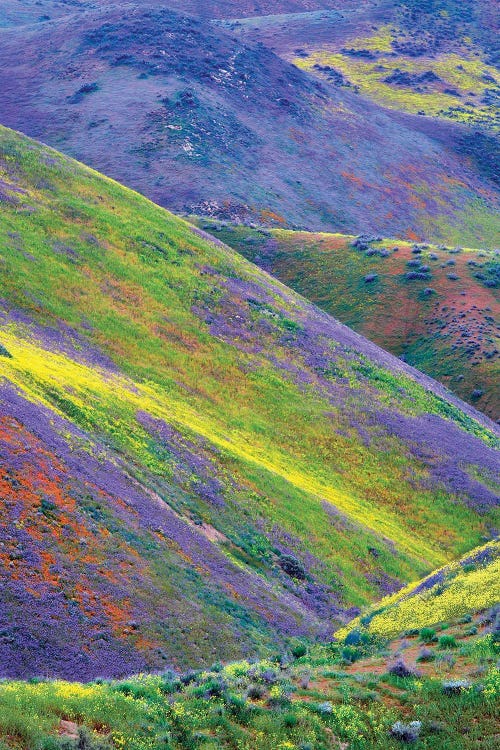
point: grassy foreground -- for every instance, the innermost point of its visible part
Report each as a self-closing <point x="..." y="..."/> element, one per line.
<point x="343" y="696"/>
<point x="421" y="668"/>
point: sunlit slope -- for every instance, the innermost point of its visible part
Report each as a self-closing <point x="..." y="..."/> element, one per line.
<point x="465" y="587"/>
<point x="197" y="463"/>
<point x="437" y="307"/>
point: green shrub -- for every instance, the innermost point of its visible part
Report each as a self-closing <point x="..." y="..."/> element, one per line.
<point x="447" y="641"/>
<point x="428" y="635"/>
<point x="299" y="650"/>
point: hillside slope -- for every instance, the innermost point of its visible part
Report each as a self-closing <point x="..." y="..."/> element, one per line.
<point x="465" y="587"/>
<point x="21" y="12"/>
<point x="196" y="461"/>
<point x="436" y="307"/>
<point x="437" y="58"/>
<point x="202" y="122"/>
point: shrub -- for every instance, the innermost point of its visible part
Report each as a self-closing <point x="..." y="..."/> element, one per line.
<point x="427" y="635"/>
<point x="370" y="277"/>
<point x="255" y="691"/>
<point x="447" y="641"/>
<point x="189" y="677"/>
<point x="426" y="654"/>
<point x="353" y="638"/>
<point x="414" y="275"/>
<point x="454" y="687"/>
<point x="292" y="567"/>
<point x="406" y="732"/>
<point x="299" y="650"/>
<point x="4" y="352"/>
<point x="269" y="677"/>
<point x="304" y="680"/>
<point x="400" y="669"/>
<point x="87" y="88"/>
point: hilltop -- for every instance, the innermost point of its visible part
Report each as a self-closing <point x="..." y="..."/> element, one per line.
<point x="203" y="121"/>
<point x="199" y="462"/>
<point x="436" y="307"/>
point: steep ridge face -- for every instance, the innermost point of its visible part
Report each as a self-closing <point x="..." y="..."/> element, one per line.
<point x="195" y="460"/>
<point x="436" y="307"/>
<point x="202" y="122"/>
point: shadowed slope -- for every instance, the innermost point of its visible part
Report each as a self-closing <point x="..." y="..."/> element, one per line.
<point x="202" y="122"/>
<point x="196" y="461"/>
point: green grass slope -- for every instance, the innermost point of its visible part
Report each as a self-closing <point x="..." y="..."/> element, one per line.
<point x="196" y="462"/>
<point x="436" y="307"/>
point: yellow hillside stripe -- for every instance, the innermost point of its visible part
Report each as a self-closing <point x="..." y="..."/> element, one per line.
<point x="31" y="366"/>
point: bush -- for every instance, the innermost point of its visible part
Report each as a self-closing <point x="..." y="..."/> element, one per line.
<point x="406" y="732"/>
<point x="428" y="635"/>
<point x="292" y="567"/>
<point x="370" y="277"/>
<point x="4" y="352"/>
<point x="255" y="692"/>
<point x="353" y="638"/>
<point x="269" y="676"/>
<point x="417" y="275"/>
<point x="447" y="641"/>
<point x="455" y="687"/>
<point x="400" y="669"/>
<point x="426" y="654"/>
<point x="299" y="650"/>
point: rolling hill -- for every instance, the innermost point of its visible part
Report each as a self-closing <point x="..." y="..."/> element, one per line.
<point x="14" y="13"/>
<point x="202" y="121"/>
<point x="438" y="58"/>
<point x="436" y="307"/>
<point x="197" y="462"/>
